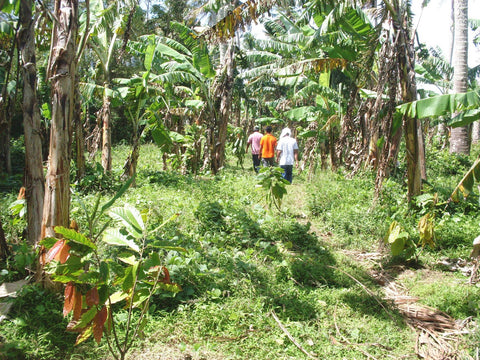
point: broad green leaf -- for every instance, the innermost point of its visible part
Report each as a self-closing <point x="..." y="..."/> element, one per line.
<point x="118" y="296"/>
<point x="84" y="335"/>
<point x="397" y="246"/>
<point x="195" y="104"/>
<point x="103" y="270"/>
<point x="75" y="236"/>
<point x="119" y="193"/>
<point x="86" y="318"/>
<point x="465" y="118"/>
<point x="396" y="237"/>
<point x="140" y="297"/>
<point x="130" y="218"/>
<point x="115" y="237"/>
<point x="65" y="278"/>
<point x="300" y="113"/>
<point x="48" y="242"/>
<point x="130" y="260"/>
<point x="162" y="138"/>
<point x="89" y="277"/>
<point x="465" y="186"/>
<point x="103" y="293"/>
<point x="149" y="54"/>
<point x="128" y="280"/>
<point x="441" y="105"/>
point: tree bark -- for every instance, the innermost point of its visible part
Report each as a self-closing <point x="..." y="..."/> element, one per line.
<point x="79" y="135"/>
<point x="222" y="111"/>
<point x="5" y="119"/>
<point x="459" y="137"/>
<point x="107" y="132"/>
<point x="34" y="180"/>
<point x="3" y="243"/>
<point x="476" y="132"/>
<point x="406" y="63"/>
<point x="61" y="72"/>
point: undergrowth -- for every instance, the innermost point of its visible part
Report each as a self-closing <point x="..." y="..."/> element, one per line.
<point x="244" y="265"/>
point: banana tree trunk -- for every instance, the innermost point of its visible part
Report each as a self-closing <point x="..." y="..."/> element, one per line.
<point x="459" y="137"/>
<point x="34" y="180"/>
<point x="406" y="62"/>
<point x="224" y="93"/>
<point x="61" y="72"/>
<point x="130" y="167"/>
<point x="107" y="132"/>
<point x="79" y="136"/>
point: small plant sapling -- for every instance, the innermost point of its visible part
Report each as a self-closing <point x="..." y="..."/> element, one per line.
<point x="94" y="284"/>
<point x="271" y="181"/>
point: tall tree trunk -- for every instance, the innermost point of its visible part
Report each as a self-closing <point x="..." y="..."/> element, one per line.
<point x="107" y="132"/>
<point x="5" y="126"/>
<point x="130" y="166"/>
<point x="5" y="118"/>
<point x="223" y="105"/>
<point x="476" y="132"/>
<point x="421" y="152"/>
<point x="61" y="72"/>
<point x="459" y="138"/>
<point x="406" y="63"/>
<point x="34" y="181"/>
<point x="3" y="243"/>
<point x="79" y="135"/>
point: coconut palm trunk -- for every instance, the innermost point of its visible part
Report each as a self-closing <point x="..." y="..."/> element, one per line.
<point x="459" y="138"/>
<point x="34" y="180"/>
<point x="61" y="73"/>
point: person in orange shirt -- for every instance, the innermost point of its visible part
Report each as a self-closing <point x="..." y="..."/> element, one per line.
<point x="268" y="144"/>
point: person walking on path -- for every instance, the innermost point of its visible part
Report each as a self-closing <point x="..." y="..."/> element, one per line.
<point x="254" y="141"/>
<point x="287" y="154"/>
<point x="268" y="144"/>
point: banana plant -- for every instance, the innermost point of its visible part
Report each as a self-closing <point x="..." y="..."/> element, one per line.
<point x="107" y="24"/>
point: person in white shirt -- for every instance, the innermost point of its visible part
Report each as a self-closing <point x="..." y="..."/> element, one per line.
<point x="287" y="153"/>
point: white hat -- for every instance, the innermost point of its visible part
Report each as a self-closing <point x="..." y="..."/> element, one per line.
<point x="286" y="132"/>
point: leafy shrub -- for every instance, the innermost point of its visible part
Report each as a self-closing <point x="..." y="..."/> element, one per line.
<point x="289" y="231"/>
<point x="95" y="180"/>
<point x="210" y="214"/>
<point x="20" y="264"/>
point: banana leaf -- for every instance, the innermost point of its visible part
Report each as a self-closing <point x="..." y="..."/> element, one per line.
<point x="441" y="105"/>
<point x="465" y="186"/>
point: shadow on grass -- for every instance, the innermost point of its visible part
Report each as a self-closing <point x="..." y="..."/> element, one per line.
<point x="36" y="327"/>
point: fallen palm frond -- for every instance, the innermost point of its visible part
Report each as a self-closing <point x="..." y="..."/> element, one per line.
<point x="438" y="334"/>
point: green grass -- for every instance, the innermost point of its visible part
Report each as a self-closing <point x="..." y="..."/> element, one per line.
<point x="243" y="263"/>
